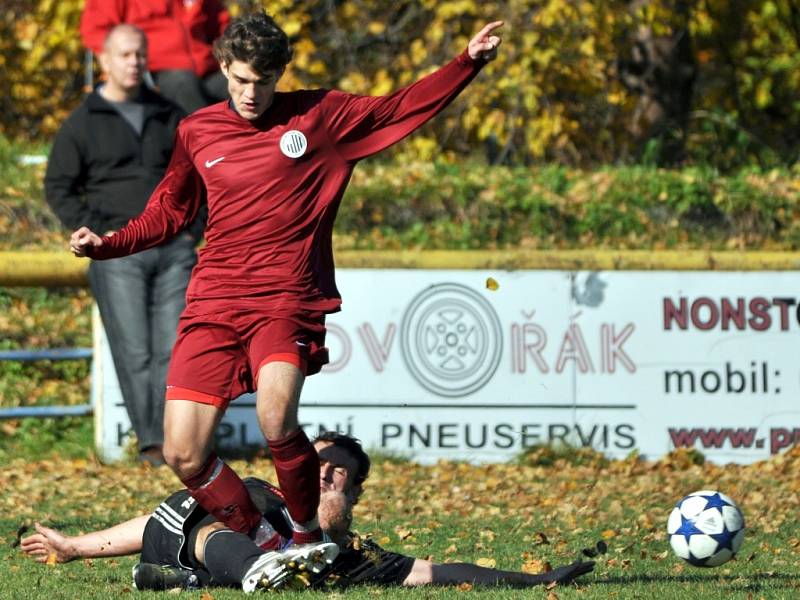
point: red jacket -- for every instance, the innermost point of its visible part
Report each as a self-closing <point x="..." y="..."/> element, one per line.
<point x="179" y="32"/>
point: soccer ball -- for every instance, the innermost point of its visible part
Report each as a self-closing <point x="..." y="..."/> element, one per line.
<point x="706" y="529"/>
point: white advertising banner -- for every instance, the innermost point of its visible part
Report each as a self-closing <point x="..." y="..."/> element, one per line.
<point x="439" y="364"/>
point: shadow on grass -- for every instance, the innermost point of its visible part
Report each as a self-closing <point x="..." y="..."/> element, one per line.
<point x="741" y="582"/>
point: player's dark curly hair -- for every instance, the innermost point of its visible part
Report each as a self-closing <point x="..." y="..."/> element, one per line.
<point x="257" y="40"/>
<point x="353" y="446"/>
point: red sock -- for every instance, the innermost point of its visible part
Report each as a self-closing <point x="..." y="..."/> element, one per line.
<point x="218" y="489"/>
<point x="297" y="467"/>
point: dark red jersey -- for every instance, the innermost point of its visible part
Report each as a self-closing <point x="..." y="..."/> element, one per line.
<point x="274" y="186"/>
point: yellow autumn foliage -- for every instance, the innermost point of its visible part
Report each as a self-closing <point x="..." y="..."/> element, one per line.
<point x="553" y="93"/>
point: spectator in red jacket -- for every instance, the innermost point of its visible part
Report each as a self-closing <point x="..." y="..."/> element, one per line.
<point x="179" y="36"/>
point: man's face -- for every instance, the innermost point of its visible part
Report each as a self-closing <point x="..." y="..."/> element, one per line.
<point x="250" y="91"/>
<point x="337" y="470"/>
<point x="124" y="60"/>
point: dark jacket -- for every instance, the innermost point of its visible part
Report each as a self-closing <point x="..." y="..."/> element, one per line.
<point x="100" y="173"/>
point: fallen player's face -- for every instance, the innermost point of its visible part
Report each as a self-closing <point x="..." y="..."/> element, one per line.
<point x="250" y="91"/>
<point x="337" y="469"/>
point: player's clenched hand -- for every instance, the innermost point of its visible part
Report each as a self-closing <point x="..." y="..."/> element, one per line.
<point x="82" y="239"/>
<point x="47" y="545"/>
<point x="484" y="44"/>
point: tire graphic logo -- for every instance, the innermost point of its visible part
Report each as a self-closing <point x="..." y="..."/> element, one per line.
<point x="451" y="340"/>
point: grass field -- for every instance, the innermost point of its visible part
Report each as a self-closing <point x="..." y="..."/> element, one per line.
<point x="545" y="509"/>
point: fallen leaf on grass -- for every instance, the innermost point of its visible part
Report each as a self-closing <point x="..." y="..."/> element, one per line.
<point x="608" y="534"/>
<point x="488" y="563"/>
<point x="487" y="534"/>
<point x="465" y="587"/>
<point x="534" y="566"/>
<point x="52" y="559"/>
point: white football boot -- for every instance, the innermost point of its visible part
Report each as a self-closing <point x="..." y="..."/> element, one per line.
<point x="293" y="567"/>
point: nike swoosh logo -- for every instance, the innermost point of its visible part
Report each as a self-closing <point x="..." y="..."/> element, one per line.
<point x="211" y="163"/>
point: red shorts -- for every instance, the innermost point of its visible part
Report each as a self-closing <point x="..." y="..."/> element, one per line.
<point x="217" y="356"/>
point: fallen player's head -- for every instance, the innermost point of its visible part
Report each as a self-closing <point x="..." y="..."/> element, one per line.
<point x="343" y="464"/>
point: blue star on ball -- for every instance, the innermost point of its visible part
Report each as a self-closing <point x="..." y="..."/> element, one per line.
<point x="687" y="529"/>
<point x="724" y="539"/>
<point x="715" y="501"/>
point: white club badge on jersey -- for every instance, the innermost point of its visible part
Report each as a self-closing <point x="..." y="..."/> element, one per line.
<point x="294" y="143"/>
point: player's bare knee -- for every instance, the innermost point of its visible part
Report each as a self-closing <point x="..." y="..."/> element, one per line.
<point x="185" y="462"/>
<point x="277" y="425"/>
<point x="277" y="416"/>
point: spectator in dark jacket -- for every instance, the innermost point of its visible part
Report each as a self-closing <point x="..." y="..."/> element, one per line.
<point x="107" y="158"/>
<point x="179" y="35"/>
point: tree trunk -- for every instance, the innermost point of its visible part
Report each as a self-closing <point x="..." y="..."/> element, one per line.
<point x="661" y="70"/>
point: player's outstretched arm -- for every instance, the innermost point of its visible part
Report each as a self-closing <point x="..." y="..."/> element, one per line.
<point x="119" y="540"/>
<point x="484" y="44"/>
<point x="425" y="572"/>
<point x="83" y="239"/>
<point x="361" y="126"/>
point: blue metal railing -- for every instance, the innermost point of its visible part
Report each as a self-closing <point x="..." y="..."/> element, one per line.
<point x="77" y="410"/>
<point x="48" y="354"/>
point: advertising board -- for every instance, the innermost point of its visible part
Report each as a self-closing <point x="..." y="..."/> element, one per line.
<point x="480" y="365"/>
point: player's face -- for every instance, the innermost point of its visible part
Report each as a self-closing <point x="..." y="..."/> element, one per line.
<point x="250" y="91"/>
<point x="124" y="60"/>
<point x="337" y="470"/>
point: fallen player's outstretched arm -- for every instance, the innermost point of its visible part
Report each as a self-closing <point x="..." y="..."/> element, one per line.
<point x="120" y="540"/>
<point x="425" y="572"/>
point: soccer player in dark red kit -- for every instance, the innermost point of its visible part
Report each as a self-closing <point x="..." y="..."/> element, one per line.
<point x="274" y="167"/>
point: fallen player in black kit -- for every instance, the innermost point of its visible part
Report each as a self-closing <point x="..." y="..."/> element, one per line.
<point x="182" y="546"/>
